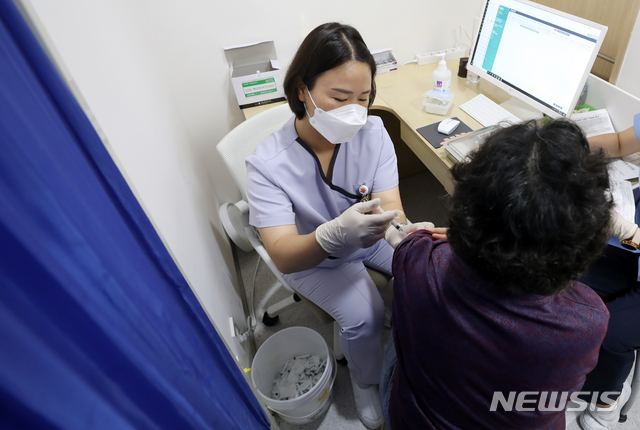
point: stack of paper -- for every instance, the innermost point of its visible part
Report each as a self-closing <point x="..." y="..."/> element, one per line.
<point x="622" y="170"/>
<point x="594" y="123"/>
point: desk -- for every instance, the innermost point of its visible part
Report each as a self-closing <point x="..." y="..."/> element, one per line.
<point x="400" y="92"/>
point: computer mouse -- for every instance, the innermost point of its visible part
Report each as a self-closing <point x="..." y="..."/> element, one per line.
<point x="447" y="126"/>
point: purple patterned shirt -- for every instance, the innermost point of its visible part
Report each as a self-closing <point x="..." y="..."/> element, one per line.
<point x="460" y="339"/>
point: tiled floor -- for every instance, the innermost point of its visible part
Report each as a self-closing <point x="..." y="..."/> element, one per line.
<point x="423" y="201"/>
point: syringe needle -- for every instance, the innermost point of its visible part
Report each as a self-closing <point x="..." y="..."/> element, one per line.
<point x="393" y="222"/>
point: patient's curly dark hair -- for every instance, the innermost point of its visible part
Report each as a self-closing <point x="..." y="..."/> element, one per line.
<point x="530" y="211"/>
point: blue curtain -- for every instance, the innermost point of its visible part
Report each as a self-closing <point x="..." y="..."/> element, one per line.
<point x="98" y="328"/>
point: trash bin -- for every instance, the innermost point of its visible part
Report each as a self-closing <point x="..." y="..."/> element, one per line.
<point x="272" y="356"/>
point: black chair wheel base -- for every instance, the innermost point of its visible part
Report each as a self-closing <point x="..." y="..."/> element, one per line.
<point x="623" y="418"/>
<point x="268" y="321"/>
<point x="342" y="361"/>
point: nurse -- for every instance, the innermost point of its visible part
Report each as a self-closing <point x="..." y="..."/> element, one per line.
<point x="614" y="276"/>
<point x="311" y="187"/>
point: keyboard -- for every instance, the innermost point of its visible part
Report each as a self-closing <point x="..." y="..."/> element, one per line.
<point x="487" y="112"/>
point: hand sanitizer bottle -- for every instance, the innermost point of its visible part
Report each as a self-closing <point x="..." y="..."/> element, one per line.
<point x="442" y="77"/>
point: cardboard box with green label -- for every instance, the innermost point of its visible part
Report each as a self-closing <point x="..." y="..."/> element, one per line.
<point x="255" y="74"/>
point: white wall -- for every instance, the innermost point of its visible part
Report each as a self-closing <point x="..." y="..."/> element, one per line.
<point x="116" y="67"/>
<point x="629" y="78"/>
<point x="154" y="75"/>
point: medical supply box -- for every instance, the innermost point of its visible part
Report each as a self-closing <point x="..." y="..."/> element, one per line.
<point x="385" y="61"/>
<point x="255" y="73"/>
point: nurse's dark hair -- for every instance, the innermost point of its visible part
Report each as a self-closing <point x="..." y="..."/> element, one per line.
<point x="530" y="209"/>
<point x="328" y="46"/>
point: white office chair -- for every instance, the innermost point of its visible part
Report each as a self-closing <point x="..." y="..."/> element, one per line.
<point x="234" y="148"/>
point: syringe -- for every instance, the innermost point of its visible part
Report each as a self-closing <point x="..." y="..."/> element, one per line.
<point x="393" y="222"/>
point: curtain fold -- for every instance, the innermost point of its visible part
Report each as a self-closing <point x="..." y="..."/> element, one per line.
<point x="98" y="328"/>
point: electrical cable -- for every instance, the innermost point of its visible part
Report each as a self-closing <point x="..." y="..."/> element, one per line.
<point x="252" y="314"/>
<point x="465" y="32"/>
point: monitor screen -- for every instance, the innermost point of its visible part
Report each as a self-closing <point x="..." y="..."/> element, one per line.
<point x="537" y="54"/>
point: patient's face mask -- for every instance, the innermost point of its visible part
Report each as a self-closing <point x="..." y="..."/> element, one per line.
<point x="338" y="125"/>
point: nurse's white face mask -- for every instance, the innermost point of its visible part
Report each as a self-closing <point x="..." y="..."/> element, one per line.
<point x="338" y="125"/>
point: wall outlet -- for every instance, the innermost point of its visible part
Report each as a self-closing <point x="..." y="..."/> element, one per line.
<point x="434" y="56"/>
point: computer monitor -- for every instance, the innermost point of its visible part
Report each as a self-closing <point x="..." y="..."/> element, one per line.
<point x="537" y="54"/>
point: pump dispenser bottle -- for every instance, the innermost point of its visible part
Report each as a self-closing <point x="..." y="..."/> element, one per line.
<point x="442" y="77"/>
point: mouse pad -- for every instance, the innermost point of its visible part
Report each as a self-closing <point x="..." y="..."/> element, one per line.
<point x="430" y="132"/>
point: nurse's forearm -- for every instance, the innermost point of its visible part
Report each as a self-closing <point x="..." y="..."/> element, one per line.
<point x="293" y="252"/>
<point x="616" y="144"/>
<point x="608" y="142"/>
<point x="298" y="253"/>
<point x="390" y="200"/>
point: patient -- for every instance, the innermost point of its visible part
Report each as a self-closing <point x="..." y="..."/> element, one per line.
<point x="496" y="311"/>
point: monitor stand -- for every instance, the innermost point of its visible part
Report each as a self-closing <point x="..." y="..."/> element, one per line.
<point x="521" y="109"/>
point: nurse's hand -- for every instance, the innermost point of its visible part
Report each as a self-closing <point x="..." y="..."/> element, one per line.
<point x="621" y="228"/>
<point x="393" y="236"/>
<point x="355" y="228"/>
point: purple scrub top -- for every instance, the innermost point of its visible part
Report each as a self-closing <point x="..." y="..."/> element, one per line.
<point x="286" y="185"/>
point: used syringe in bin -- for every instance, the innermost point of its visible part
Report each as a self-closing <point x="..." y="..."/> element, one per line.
<point x="459" y="148"/>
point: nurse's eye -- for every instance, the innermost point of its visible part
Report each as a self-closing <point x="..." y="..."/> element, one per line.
<point x="340" y="100"/>
<point x="365" y="100"/>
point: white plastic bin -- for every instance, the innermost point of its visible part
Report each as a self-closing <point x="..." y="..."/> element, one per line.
<point x="272" y="356"/>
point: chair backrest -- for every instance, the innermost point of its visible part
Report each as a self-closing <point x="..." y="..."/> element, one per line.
<point x="240" y="142"/>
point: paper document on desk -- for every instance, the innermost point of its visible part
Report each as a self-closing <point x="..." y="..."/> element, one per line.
<point x="625" y="168"/>
<point x="594" y="123"/>
<point x="623" y="201"/>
